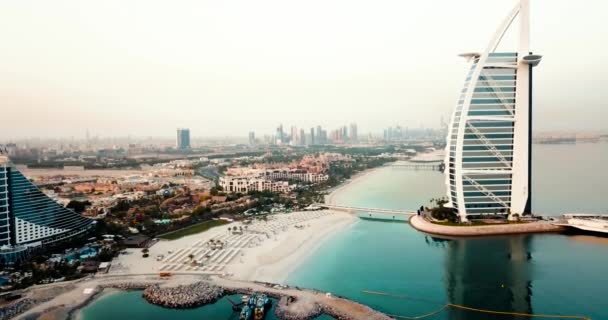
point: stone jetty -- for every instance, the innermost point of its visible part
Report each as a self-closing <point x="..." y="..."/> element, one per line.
<point x="183" y="296"/>
<point x="126" y="285"/>
<point x="12" y="310"/>
<point x="291" y="308"/>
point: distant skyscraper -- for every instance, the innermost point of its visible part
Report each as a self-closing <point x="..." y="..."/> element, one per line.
<point x="294" y="136"/>
<point x="251" y="138"/>
<point x="353" y="133"/>
<point x="489" y="142"/>
<point x="29" y="218"/>
<point x="280" y="135"/>
<point x="319" y="137"/>
<point x="183" y="139"/>
<point x="313" y="140"/>
<point x="302" y="141"/>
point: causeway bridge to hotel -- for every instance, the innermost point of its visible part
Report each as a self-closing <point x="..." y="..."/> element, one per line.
<point x="429" y="166"/>
<point x="367" y="210"/>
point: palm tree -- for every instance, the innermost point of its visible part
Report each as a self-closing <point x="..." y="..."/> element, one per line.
<point x="245" y="228"/>
<point x="229" y="228"/>
<point x="191" y="257"/>
<point x="145" y="250"/>
<point x="241" y="229"/>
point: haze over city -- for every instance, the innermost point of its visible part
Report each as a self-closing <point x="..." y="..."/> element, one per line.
<point x="297" y="160"/>
<point x="143" y="68"/>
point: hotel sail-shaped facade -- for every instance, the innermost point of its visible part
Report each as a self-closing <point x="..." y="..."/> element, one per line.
<point x="29" y="218"/>
<point x="488" y="153"/>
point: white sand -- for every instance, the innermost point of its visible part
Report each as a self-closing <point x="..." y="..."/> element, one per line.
<point x="274" y="261"/>
<point x="266" y="251"/>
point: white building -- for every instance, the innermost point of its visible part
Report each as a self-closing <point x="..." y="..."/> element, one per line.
<point x="244" y="184"/>
<point x="488" y="158"/>
<point x="295" y="174"/>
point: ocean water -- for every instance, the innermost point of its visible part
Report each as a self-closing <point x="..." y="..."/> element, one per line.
<point x="552" y="274"/>
<point x="541" y="274"/>
<point x="130" y="305"/>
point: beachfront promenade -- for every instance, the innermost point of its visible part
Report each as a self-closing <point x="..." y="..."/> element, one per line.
<point x="363" y="209"/>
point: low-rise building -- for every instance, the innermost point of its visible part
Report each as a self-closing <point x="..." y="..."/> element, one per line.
<point x="244" y="184"/>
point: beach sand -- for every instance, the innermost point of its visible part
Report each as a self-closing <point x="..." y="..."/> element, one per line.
<point x="266" y="251"/>
<point x="278" y="257"/>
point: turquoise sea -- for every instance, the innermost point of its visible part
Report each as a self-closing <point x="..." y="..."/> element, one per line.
<point x="550" y="274"/>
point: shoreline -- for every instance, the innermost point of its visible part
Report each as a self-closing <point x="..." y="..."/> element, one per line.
<point x="264" y="250"/>
<point x="272" y="262"/>
<point x="275" y="261"/>
<point x="330" y="198"/>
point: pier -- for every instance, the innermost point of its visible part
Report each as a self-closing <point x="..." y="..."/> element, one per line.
<point x="589" y="222"/>
<point x="363" y="209"/>
<point x="426" y="166"/>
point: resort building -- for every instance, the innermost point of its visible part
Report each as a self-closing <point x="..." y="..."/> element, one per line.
<point x="29" y="218"/>
<point x="488" y="158"/>
<point x="244" y="184"/>
<point x="295" y="174"/>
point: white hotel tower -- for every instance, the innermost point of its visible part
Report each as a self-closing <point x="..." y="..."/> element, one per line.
<point x="488" y="163"/>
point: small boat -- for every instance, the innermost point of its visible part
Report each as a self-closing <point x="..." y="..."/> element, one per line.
<point x="252" y="301"/>
<point x="245" y="313"/>
<point x="261" y="305"/>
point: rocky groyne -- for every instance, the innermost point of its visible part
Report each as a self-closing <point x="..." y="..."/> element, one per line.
<point x="183" y="296"/>
<point x="14" y="309"/>
<point x="128" y="285"/>
<point x="290" y="308"/>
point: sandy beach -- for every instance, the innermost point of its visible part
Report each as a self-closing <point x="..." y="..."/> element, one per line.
<point x="268" y="251"/>
<point x="263" y="251"/>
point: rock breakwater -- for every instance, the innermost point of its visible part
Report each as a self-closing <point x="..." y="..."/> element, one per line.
<point x="183" y="296"/>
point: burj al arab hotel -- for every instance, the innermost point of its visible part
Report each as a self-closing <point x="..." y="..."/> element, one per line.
<point x="488" y="153"/>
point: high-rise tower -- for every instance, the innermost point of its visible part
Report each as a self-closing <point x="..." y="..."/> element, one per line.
<point x="183" y="139"/>
<point x="489" y="152"/>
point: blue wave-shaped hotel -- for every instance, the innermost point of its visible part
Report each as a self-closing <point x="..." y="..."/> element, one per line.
<point x="29" y="219"/>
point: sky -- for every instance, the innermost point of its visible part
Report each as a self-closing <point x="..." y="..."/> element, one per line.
<point x="224" y="68"/>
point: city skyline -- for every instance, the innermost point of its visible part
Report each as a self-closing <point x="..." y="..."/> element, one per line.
<point x="380" y="72"/>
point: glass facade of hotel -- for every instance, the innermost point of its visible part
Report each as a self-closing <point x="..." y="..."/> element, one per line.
<point x="30" y="218"/>
<point x="488" y="156"/>
<point x="487" y="143"/>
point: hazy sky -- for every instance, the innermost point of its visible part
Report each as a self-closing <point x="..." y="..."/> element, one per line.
<point x="225" y="67"/>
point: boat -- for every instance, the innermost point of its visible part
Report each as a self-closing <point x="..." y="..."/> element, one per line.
<point x="245" y="313"/>
<point x="261" y="306"/>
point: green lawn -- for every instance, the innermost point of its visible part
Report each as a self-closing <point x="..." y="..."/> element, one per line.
<point x="194" y="229"/>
